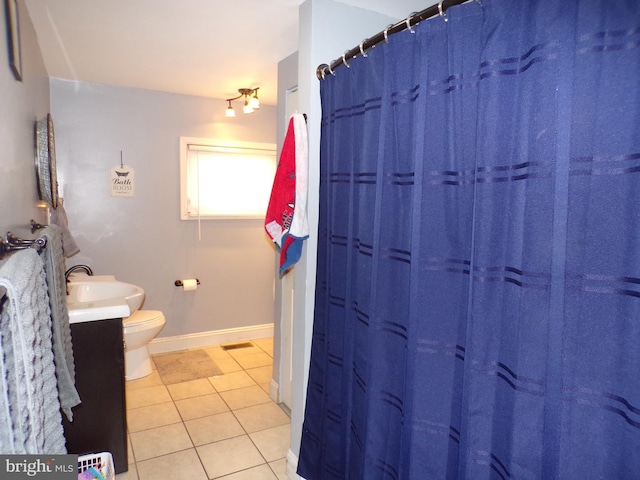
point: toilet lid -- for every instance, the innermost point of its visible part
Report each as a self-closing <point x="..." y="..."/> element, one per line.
<point x="141" y="316"/>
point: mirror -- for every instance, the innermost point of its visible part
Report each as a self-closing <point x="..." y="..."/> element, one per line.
<point x="46" y="162"/>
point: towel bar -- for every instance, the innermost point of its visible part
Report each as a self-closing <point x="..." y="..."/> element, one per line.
<point x="13" y="243"/>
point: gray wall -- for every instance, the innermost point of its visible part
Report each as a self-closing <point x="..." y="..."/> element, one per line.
<point x="21" y="104"/>
<point x="141" y="239"/>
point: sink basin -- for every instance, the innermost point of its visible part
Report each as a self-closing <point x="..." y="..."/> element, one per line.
<point x="101" y="297"/>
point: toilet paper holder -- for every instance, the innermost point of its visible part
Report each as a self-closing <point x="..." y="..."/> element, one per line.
<point x="178" y="283"/>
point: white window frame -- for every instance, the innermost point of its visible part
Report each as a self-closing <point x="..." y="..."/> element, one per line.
<point x="218" y="145"/>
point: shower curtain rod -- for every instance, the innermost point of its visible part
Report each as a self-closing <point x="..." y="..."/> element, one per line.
<point x="369" y="43"/>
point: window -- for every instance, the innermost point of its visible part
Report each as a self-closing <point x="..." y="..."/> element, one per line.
<point x="222" y="180"/>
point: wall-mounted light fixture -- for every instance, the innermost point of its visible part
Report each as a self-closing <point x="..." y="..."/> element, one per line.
<point x="251" y="101"/>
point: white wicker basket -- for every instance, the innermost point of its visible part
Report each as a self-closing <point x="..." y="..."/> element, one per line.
<point x="102" y="462"/>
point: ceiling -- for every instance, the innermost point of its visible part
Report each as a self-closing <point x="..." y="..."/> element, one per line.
<point x="208" y="48"/>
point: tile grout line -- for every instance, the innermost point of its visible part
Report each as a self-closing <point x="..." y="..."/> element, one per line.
<point x="227" y="405"/>
<point x="246" y="433"/>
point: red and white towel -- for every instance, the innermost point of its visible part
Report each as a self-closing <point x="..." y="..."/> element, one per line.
<point x="286" y="220"/>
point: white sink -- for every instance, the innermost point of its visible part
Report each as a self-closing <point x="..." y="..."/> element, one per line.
<point x="101" y="297"/>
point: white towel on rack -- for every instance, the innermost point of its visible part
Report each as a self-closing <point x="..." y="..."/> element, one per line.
<point x="61" y="330"/>
<point x="299" y="223"/>
<point x="29" y="406"/>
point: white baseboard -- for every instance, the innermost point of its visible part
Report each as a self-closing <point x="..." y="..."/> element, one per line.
<point x="274" y="391"/>
<point x="292" y="466"/>
<point x="210" y="339"/>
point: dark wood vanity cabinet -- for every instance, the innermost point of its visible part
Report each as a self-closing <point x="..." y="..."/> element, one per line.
<point x="100" y="421"/>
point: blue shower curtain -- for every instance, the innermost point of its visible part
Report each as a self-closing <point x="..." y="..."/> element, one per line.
<point x="477" y="309"/>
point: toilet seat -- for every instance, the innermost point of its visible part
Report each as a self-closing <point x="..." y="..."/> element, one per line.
<point x="143" y="316"/>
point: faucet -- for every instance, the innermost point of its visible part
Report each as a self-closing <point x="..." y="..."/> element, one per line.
<point x="86" y="268"/>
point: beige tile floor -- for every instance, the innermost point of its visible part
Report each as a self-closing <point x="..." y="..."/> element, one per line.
<point x="225" y="427"/>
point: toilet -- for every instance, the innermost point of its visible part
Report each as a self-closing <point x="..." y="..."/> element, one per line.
<point x="139" y="329"/>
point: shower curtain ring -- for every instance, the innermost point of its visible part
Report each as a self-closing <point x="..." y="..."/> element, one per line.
<point x="331" y="71"/>
<point x="362" y="52"/>
<point x="386" y="37"/>
<point x="441" y="11"/>
<point x="408" y="22"/>
<point x="344" y="60"/>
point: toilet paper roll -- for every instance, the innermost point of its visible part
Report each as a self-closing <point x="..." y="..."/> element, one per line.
<point x="189" y="284"/>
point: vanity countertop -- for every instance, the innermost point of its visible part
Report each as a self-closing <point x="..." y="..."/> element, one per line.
<point x="101" y="310"/>
<point x="86" y="301"/>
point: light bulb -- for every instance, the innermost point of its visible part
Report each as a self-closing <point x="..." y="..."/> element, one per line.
<point x="230" y="112"/>
<point x="254" y="102"/>
<point x="247" y="107"/>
